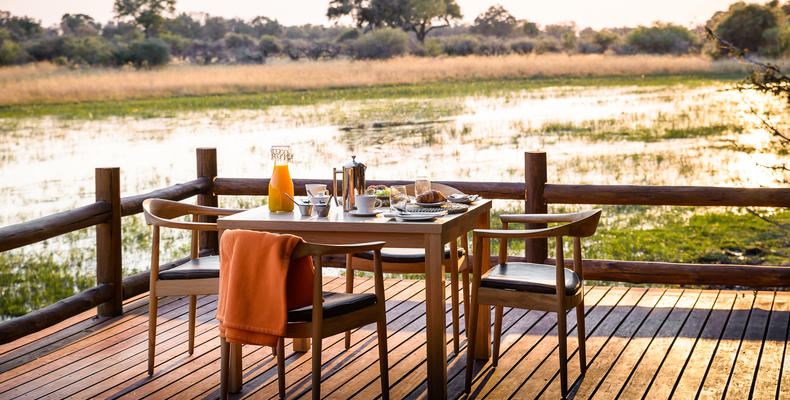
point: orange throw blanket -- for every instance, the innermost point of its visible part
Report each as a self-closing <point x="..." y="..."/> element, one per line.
<point x="258" y="284"/>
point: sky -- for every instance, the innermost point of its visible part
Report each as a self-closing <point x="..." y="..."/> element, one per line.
<point x="596" y="14"/>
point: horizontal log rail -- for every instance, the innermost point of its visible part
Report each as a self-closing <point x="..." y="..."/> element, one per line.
<point x="134" y="204"/>
<point x="260" y="187"/>
<point x="667" y="195"/>
<point x="33" y="231"/>
<point x="37" y="320"/>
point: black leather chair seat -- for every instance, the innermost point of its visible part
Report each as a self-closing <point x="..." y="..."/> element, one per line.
<point x="198" y="268"/>
<point x="335" y="304"/>
<point x="526" y="277"/>
<point x="403" y="256"/>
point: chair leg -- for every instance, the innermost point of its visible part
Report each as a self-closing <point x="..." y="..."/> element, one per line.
<point x="454" y="293"/>
<point x="152" y="305"/>
<point x="281" y="366"/>
<point x="582" y="347"/>
<point x="349" y="289"/>
<point x="381" y="327"/>
<point x="562" y="336"/>
<point x="316" y="368"/>
<point x="224" y="366"/>
<point x="470" y="343"/>
<point x="497" y="335"/>
<point x="465" y="285"/>
<point x="192" y="317"/>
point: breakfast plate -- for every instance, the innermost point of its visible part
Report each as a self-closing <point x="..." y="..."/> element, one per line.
<point x="437" y="204"/>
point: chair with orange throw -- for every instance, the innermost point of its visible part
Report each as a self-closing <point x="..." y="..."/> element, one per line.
<point x="412" y="261"/>
<point x="199" y="276"/>
<point x="269" y="291"/>
<point x="533" y="286"/>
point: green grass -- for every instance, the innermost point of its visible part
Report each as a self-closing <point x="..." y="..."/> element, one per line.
<point x="169" y="107"/>
<point x="609" y="129"/>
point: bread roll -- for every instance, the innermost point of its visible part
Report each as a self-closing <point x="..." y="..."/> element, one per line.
<point x="431" y="196"/>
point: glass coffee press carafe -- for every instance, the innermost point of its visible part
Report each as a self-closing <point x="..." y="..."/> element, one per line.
<point x="281" y="184"/>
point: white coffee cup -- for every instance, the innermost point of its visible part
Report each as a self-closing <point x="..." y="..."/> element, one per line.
<point x="366" y="203"/>
<point x="316" y="189"/>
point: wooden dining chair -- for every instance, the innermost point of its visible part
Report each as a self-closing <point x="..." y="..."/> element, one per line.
<point x="330" y="314"/>
<point x="198" y="276"/>
<point x="533" y="286"/>
<point x="412" y="261"/>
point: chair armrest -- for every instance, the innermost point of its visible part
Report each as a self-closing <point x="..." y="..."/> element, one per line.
<point x="561" y="230"/>
<point x="538" y="218"/>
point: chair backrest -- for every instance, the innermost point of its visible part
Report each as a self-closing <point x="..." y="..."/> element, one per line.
<point x="584" y="223"/>
<point x="160" y="212"/>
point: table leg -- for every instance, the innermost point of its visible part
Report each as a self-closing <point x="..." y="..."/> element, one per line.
<point x="483" y="333"/>
<point x="435" y="317"/>
<point x="235" y="368"/>
<point x="302" y="344"/>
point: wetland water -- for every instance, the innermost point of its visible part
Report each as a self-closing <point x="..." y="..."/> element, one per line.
<point x="663" y="135"/>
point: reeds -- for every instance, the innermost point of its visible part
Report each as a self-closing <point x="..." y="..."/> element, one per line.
<point x="45" y="83"/>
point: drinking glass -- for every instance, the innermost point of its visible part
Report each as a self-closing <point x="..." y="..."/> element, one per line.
<point x="398" y="198"/>
<point x="422" y="184"/>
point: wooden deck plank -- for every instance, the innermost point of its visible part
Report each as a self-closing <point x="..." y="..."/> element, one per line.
<point x="195" y="368"/>
<point x="398" y="293"/>
<point x="510" y="337"/>
<point x="93" y="363"/>
<point x="661" y="364"/>
<point x="626" y="344"/>
<point x="602" y="348"/>
<point x="654" y="336"/>
<point x="61" y="360"/>
<point x="542" y="343"/>
<point x="747" y="358"/>
<point x="641" y="344"/>
<point x="59" y="333"/>
<point x="704" y="348"/>
<point x="401" y="359"/>
<point x="13" y="361"/>
<point x="769" y="371"/>
<point x="720" y="367"/>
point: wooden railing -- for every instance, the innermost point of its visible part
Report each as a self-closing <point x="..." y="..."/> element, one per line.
<point x="108" y="209"/>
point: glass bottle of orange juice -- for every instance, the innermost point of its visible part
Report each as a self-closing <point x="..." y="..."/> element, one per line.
<point x="281" y="182"/>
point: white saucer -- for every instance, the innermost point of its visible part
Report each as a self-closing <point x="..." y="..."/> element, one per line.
<point x="357" y="213"/>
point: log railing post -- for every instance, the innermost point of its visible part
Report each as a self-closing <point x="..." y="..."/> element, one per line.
<point x="108" y="240"/>
<point x="534" y="183"/>
<point x="207" y="168"/>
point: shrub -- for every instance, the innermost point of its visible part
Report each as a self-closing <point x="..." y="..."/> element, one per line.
<point x="662" y="39"/>
<point x="236" y="41"/>
<point x="149" y="53"/>
<point x="350" y="34"/>
<point x="460" y="45"/>
<point x="743" y="25"/>
<point x="522" y="46"/>
<point x="269" y="45"/>
<point x="9" y="52"/>
<point x="492" y="46"/>
<point x="380" y="44"/>
<point x="547" y="44"/>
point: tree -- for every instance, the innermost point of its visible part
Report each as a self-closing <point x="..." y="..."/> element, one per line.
<point x="530" y="29"/>
<point x="496" y="21"/>
<point x="19" y="28"/>
<point x="78" y="25"/>
<point x="146" y="13"/>
<point x="418" y="16"/>
<point x="662" y="39"/>
<point x="743" y="25"/>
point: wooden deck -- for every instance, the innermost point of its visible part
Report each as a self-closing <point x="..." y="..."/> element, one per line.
<point x="650" y="343"/>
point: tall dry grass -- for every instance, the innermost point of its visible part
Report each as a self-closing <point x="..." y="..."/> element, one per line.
<point x="46" y="83"/>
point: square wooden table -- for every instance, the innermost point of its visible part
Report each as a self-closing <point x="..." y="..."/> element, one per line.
<point x="342" y="228"/>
